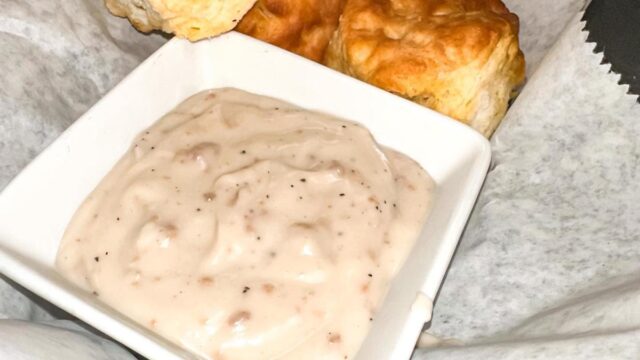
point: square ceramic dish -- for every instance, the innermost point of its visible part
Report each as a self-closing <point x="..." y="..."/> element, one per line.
<point x="36" y="207"/>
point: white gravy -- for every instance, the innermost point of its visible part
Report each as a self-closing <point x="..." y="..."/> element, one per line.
<point x="242" y="227"/>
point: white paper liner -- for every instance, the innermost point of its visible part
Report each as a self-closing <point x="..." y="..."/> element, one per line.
<point x="548" y="266"/>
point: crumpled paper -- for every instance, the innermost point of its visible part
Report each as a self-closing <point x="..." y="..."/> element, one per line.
<point x="548" y="264"/>
<point x="55" y="339"/>
<point x="541" y="22"/>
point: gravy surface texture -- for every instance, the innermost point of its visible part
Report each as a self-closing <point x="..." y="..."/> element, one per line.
<point x="242" y="227"/>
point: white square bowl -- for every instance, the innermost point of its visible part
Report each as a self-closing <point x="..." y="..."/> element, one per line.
<point x="37" y="205"/>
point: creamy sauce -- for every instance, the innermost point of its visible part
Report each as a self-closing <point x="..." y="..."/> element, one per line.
<point x="242" y="227"/>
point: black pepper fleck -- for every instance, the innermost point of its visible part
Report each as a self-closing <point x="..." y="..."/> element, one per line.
<point x="106" y="253"/>
<point x="198" y="209"/>
<point x="341" y="194"/>
<point x="370" y="274"/>
<point x="291" y="185"/>
<point x="118" y="219"/>
<point x="246" y="288"/>
<point x="153" y="148"/>
<point x="97" y="258"/>
<point x="303" y="180"/>
<point x="344" y="126"/>
<point x="243" y="152"/>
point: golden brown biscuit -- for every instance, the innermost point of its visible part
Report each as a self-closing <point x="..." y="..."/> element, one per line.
<point x="301" y="26"/>
<point x="458" y="57"/>
<point x="193" y="19"/>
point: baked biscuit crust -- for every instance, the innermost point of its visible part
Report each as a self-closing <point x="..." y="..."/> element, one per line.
<point x="301" y="26"/>
<point x="458" y="57"/>
<point x="192" y="19"/>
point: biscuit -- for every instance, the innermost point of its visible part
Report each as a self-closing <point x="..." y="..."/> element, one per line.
<point x="301" y="26"/>
<point x="192" y="19"/>
<point x="458" y="57"/>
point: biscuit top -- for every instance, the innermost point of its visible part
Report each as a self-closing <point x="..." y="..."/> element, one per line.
<point x="301" y="26"/>
<point x="458" y="57"/>
<point x="413" y="36"/>
<point x="191" y="19"/>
